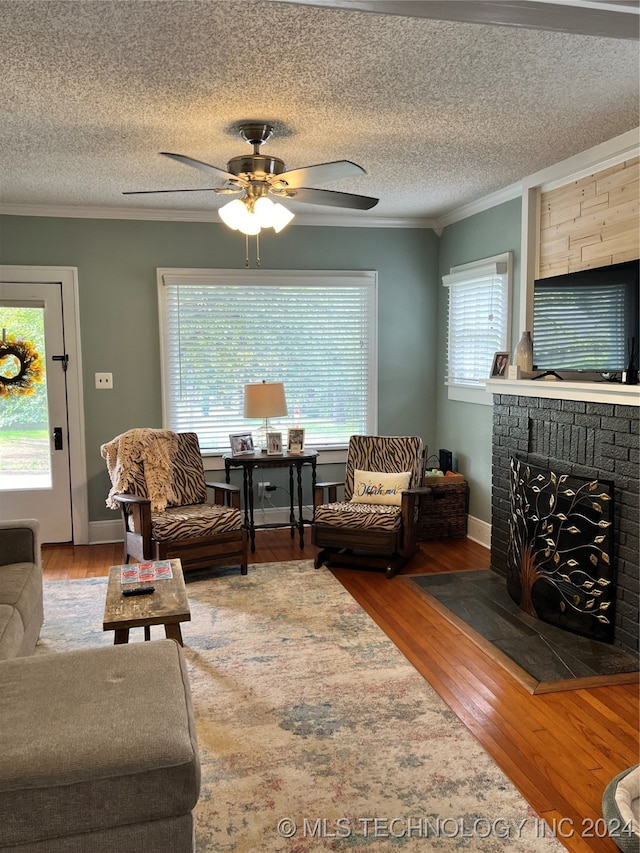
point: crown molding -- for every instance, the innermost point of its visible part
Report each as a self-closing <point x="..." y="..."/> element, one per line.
<point x="363" y="221"/>
<point x="600" y="157"/>
<point x="606" y="154"/>
<point x="481" y="204"/>
<point x="155" y="214"/>
<point x="82" y="212"/>
<point x="602" y="18"/>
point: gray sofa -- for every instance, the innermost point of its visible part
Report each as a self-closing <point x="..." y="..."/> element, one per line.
<point x="21" y="610"/>
<point x="98" y="749"/>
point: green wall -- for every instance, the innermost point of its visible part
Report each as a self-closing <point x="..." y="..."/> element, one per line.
<point x="117" y="261"/>
<point x="465" y="428"/>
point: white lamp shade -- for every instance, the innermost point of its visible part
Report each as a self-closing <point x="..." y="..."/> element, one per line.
<point x="249" y="224"/>
<point x="264" y="400"/>
<point x="230" y="214"/>
<point x="281" y="217"/>
<point x="236" y="216"/>
<point x="263" y="210"/>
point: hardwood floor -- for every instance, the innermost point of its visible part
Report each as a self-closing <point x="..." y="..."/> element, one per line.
<point x="559" y="749"/>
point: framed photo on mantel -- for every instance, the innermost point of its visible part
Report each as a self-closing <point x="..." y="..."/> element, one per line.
<point x="499" y="365"/>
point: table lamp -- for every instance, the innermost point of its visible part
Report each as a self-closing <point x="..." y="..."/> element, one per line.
<point x="264" y="400"/>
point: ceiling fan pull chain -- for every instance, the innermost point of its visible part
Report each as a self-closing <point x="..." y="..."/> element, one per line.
<point x="257" y="250"/>
<point x="246" y="250"/>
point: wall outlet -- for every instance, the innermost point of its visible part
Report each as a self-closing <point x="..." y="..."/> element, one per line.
<point x="262" y="489"/>
<point x="104" y="380"/>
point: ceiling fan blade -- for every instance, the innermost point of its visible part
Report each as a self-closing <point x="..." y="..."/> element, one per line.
<point x="331" y="198"/>
<point x="148" y="192"/>
<point x="319" y="173"/>
<point x="212" y="171"/>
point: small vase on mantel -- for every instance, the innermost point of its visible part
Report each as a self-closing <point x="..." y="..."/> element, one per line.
<point x="524" y="354"/>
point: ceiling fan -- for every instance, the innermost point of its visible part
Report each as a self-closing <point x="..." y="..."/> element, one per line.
<point x="259" y="176"/>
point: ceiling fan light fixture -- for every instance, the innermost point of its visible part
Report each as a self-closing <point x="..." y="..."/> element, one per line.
<point x="272" y="214"/>
<point x="281" y="217"/>
<point x="231" y="213"/>
<point x="237" y="216"/>
<point x="250" y="225"/>
<point x="263" y="209"/>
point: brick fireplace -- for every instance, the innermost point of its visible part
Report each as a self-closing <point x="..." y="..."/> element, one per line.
<point x="593" y="438"/>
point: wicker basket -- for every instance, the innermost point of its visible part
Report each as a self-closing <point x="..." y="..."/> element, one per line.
<point x="443" y="513"/>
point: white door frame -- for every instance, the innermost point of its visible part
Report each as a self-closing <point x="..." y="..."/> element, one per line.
<point x="68" y="278"/>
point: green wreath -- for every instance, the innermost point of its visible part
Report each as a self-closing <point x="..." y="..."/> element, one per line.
<point x="20" y="367"/>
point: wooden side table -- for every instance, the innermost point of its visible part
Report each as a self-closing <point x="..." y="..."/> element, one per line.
<point x="168" y="606"/>
<point x="249" y="461"/>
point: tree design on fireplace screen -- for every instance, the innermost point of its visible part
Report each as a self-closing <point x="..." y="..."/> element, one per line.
<point x="560" y="552"/>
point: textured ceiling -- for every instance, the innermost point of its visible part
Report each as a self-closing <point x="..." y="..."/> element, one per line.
<point x="439" y="113"/>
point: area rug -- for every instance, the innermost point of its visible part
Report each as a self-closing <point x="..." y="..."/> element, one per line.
<point x="542" y="657"/>
<point x="315" y="732"/>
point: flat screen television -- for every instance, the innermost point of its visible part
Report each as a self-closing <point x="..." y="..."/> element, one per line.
<point x="587" y="321"/>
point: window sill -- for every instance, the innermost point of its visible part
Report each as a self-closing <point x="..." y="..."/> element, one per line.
<point x="468" y="394"/>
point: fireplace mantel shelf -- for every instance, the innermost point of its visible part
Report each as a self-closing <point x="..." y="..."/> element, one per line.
<point x="597" y="392"/>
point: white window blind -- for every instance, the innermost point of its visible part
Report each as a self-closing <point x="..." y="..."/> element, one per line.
<point x="478" y="322"/>
<point x="313" y="330"/>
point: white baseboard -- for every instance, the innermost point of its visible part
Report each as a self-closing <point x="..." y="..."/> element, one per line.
<point x="101" y="532"/>
<point x="277" y="514"/>
<point x="479" y="531"/>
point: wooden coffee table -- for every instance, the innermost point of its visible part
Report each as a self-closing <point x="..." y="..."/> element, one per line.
<point x="168" y="606"/>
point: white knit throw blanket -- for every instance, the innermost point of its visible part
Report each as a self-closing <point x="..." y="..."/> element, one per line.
<point x="156" y="449"/>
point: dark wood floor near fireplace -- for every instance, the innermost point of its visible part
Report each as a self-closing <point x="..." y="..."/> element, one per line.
<point x="559" y="749"/>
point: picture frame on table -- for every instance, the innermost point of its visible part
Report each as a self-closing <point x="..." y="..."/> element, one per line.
<point x="295" y="440"/>
<point x="274" y="444"/>
<point x="241" y="443"/>
<point x="499" y="365"/>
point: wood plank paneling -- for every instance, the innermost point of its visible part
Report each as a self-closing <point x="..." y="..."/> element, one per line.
<point x="559" y="749"/>
<point x="591" y="222"/>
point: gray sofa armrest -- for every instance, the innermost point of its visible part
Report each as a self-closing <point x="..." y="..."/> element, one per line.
<point x="20" y="542"/>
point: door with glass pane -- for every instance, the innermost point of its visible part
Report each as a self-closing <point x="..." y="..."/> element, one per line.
<point x="34" y="451"/>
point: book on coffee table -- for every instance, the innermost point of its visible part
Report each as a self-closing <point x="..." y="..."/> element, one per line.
<point x="146" y="572"/>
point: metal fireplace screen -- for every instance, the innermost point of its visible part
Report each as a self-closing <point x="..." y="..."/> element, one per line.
<point x="560" y="554"/>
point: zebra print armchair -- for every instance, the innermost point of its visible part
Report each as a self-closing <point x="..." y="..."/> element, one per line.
<point x="375" y="525"/>
<point x="159" y="486"/>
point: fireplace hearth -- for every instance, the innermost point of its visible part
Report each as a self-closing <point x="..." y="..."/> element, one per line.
<point x="560" y="550"/>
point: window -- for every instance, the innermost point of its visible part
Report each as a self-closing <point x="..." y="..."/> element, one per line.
<point x="313" y="330"/>
<point x="478" y="325"/>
